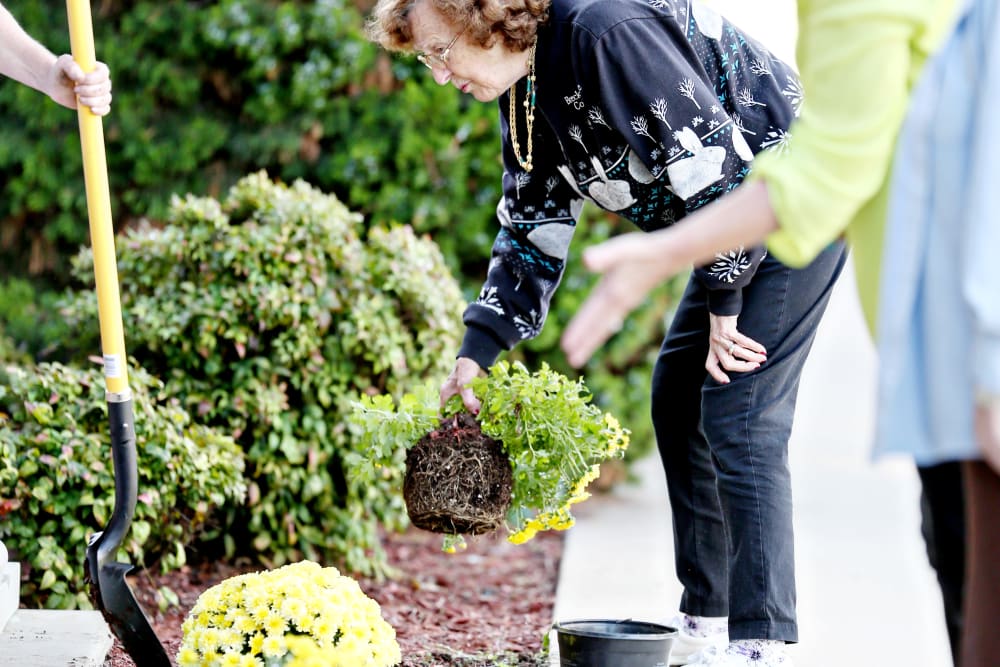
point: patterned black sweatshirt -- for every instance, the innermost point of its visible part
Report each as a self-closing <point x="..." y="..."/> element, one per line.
<point x="650" y="109"/>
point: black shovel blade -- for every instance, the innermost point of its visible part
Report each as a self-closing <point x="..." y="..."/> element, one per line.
<point x="108" y="588"/>
<point x="111" y="594"/>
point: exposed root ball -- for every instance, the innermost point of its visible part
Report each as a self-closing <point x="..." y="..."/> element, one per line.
<point x="458" y="480"/>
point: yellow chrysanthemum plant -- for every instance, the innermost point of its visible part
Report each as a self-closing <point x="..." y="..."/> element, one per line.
<point x="298" y="615"/>
<point x="554" y="436"/>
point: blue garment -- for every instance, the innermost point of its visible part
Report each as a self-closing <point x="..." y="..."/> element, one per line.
<point x="939" y="321"/>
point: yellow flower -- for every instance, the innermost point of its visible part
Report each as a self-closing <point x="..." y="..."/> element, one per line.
<point x="453" y="544"/>
<point x="230" y="639"/>
<point x="300" y="614"/>
<point x="324" y="627"/>
<point x="612" y="422"/>
<point x="209" y="658"/>
<point x="245" y="624"/>
<point x="523" y="535"/>
<point x="274" y="646"/>
<point x="274" y="624"/>
<point x="580" y="488"/>
<point x="230" y="660"/>
<point x="562" y="522"/>
<point x="188" y="657"/>
<point x="210" y="640"/>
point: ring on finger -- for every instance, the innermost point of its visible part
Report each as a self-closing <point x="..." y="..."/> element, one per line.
<point x="732" y="346"/>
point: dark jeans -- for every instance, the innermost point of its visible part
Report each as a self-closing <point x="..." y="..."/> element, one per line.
<point x="725" y="449"/>
<point x="942" y="511"/>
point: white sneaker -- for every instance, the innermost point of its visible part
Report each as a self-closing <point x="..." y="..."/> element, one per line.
<point x="745" y="653"/>
<point x="695" y="637"/>
<point x="705" y="656"/>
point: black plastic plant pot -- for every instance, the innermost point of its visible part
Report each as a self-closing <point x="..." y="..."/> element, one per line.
<point x="603" y="643"/>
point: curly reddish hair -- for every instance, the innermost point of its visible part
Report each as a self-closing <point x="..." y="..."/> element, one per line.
<point x="515" y="22"/>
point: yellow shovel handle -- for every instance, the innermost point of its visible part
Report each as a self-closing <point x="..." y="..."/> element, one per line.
<point x="102" y="236"/>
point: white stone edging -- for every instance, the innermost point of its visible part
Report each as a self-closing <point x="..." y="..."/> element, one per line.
<point x="10" y="587"/>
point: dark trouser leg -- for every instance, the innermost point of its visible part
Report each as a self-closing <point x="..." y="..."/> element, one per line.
<point x="943" y="527"/>
<point x="701" y="553"/>
<point x="980" y="636"/>
<point x="724" y="448"/>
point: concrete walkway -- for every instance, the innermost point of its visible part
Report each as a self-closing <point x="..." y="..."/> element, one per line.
<point x="866" y="594"/>
<point x="54" y="638"/>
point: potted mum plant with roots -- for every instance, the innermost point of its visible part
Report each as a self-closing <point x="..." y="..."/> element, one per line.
<point x="519" y="465"/>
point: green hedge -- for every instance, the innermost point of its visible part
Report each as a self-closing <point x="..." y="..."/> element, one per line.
<point x="266" y="314"/>
<point x="207" y="92"/>
<point x="11" y="351"/>
<point x="57" y="483"/>
<point x="30" y="316"/>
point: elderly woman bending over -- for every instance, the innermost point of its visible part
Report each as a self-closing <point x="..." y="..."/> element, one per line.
<point x="650" y="110"/>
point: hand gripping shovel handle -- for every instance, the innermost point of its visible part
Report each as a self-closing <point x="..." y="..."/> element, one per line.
<point x="109" y="588"/>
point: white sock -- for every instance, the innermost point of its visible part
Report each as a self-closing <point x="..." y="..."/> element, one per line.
<point x="756" y="648"/>
<point x="705" y="626"/>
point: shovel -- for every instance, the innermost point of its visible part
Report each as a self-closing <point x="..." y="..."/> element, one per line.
<point x="108" y="587"/>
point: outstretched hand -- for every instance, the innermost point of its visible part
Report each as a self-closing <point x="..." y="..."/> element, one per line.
<point x="65" y="82"/>
<point x="632" y="267"/>
<point x="634" y="263"/>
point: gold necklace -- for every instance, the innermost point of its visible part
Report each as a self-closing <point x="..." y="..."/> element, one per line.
<point x="529" y="111"/>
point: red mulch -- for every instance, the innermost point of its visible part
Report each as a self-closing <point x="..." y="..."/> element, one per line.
<point x="487" y="605"/>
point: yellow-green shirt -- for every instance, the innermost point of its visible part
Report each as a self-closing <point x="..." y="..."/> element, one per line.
<point x="858" y="61"/>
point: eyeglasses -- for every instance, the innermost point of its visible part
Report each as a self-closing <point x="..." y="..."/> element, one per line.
<point x="432" y="60"/>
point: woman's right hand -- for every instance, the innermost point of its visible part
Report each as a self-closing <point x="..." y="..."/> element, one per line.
<point x="465" y="371"/>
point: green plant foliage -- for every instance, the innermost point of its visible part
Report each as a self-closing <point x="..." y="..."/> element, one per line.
<point x="265" y="314"/>
<point x="207" y="92"/>
<point x="545" y="422"/>
<point x="57" y="481"/>
<point x="30" y="317"/>
<point x="10" y="351"/>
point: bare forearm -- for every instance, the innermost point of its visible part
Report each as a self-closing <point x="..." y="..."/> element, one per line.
<point x="744" y="217"/>
<point x="635" y="263"/>
<point x="21" y="57"/>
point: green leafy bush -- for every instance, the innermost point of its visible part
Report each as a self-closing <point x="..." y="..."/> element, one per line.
<point x="266" y="314"/>
<point x="30" y="317"/>
<point x="57" y="480"/>
<point x="207" y="92"/>
<point x="9" y="350"/>
<point x="552" y="433"/>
